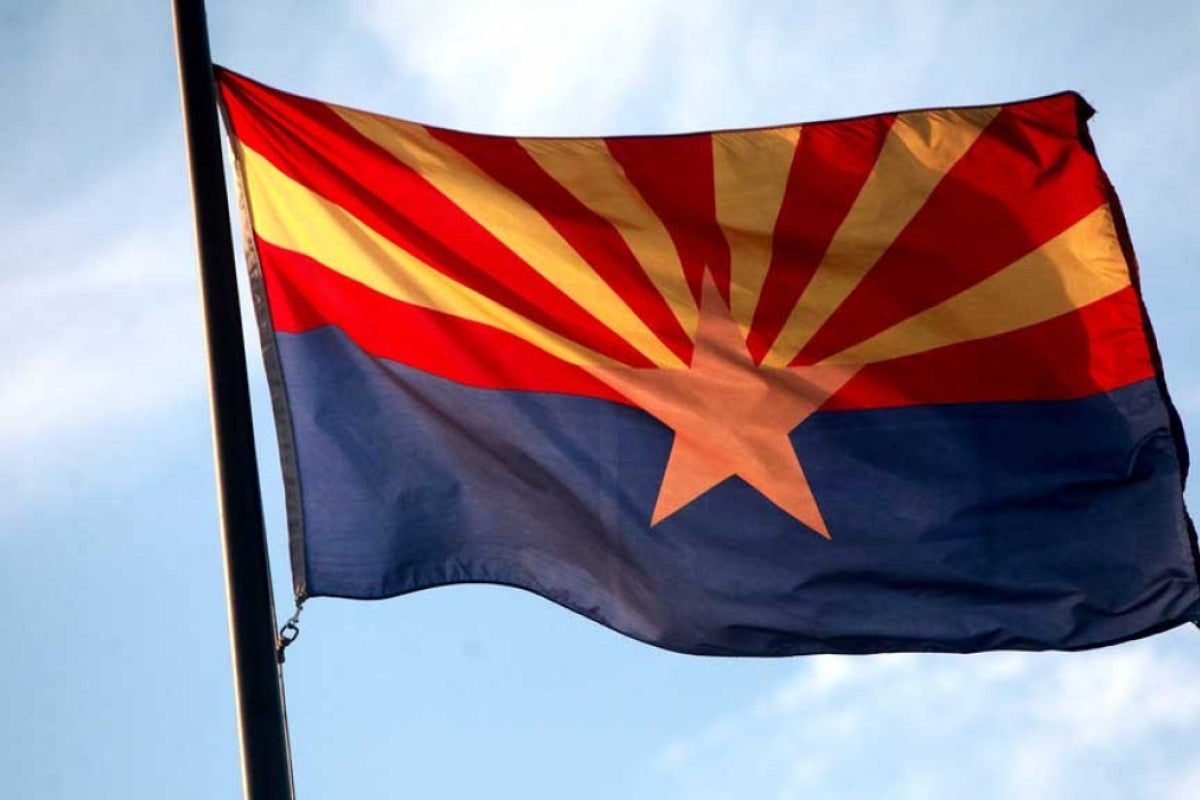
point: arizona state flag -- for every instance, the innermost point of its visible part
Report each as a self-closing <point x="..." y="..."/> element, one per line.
<point x="877" y="384"/>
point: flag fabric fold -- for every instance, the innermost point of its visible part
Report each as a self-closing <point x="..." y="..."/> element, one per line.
<point x="875" y="384"/>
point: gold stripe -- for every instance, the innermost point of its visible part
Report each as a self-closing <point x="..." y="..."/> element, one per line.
<point x="920" y="148"/>
<point x="586" y="168"/>
<point x="1081" y="265"/>
<point x="751" y="171"/>
<point x="518" y="225"/>
<point x="289" y="215"/>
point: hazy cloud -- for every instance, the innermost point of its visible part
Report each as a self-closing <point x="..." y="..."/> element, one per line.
<point x="527" y="67"/>
<point x="1112" y="723"/>
<point x="101" y="318"/>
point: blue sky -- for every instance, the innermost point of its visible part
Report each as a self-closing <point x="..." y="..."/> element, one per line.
<point x="114" y="681"/>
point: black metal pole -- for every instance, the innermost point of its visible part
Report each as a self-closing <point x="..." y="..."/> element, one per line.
<point x="258" y="686"/>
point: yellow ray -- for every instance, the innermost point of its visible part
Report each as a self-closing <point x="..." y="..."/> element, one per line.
<point x="586" y="169"/>
<point x="921" y="147"/>
<point x="751" y="170"/>
<point x="513" y="221"/>
<point x="1081" y="265"/>
<point x="293" y="217"/>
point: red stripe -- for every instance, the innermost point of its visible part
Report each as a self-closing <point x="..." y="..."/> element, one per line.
<point x="592" y="236"/>
<point x="674" y="174"/>
<point x="307" y="141"/>
<point x="305" y="295"/>
<point x="1098" y="348"/>
<point x="832" y="162"/>
<point x="1024" y="181"/>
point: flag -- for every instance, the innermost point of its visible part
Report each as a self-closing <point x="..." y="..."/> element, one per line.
<point x="875" y="384"/>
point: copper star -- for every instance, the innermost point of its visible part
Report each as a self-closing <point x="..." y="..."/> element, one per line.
<point x="730" y="416"/>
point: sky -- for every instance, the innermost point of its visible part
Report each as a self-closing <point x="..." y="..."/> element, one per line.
<point x="114" y="658"/>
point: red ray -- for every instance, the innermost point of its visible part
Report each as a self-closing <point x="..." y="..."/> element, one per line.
<point x="312" y="145"/>
<point x="832" y="161"/>
<point x="1026" y="179"/>
<point x="591" y="235"/>
<point x="674" y="174"/>
<point x="304" y="295"/>
<point x="1099" y="348"/>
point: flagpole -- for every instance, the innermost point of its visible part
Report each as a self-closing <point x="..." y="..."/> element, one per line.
<point x="258" y="685"/>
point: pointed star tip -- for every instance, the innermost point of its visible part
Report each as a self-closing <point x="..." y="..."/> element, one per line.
<point x="660" y="513"/>
<point x="818" y="526"/>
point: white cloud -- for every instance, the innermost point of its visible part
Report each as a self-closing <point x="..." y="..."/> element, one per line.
<point x="97" y="340"/>
<point x="804" y="62"/>
<point x="574" y="67"/>
<point x="98" y="311"/>
<point x="1113" y="723"/>
<point x="102" y="345"/>
<point x="577" y="67"/>
<point x="508" y="65"/>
